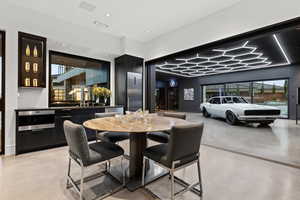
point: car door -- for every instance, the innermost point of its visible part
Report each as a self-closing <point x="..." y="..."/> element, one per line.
<point x="208" y="106"/>
<point x="215" y="106"/>
<point x="224" y="106"/>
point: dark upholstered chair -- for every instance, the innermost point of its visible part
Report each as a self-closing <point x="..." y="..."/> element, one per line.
<point x="113" y="137"/>
<point x="163" y="137"/>
<point x="86" y="155"/>
<point x="181" y="151"/>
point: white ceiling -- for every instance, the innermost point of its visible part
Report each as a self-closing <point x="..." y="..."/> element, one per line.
<point x="140" y="20"/>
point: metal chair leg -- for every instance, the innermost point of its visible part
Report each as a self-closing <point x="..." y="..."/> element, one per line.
<point x="172" y="185"/>
<point x="68" y="173"/>
<point x="96" y="133"/>
<point x="108" y="165"/>
<point x="81" y="182"/>
<point x="143" y="172"/>
<point x="123" y="171"/>
<point x="199" y="176"/>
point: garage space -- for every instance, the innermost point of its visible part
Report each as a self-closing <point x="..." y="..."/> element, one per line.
<point x="278" y="143"/>
<point x="261" y="67"/>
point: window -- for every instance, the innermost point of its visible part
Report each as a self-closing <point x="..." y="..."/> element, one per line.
<point x="212" y="91"/>
<point x="239" y="89"/>
<point x="72" y="78"/>
<point x="215" y="101"/>
<point x="271" y="93"/>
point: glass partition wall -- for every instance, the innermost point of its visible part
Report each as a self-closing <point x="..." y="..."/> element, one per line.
<point x="72" y="78"/>
<point x="271" y="92"/>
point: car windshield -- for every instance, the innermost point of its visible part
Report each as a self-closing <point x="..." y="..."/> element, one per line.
<point x="234" y="100"/>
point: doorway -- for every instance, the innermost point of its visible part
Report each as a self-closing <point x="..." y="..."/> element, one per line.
<point x="167" y="93"/>
<point x="2" y="89"/>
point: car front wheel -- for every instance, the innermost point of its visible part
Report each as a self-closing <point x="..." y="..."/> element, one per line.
<point x="205" y="113"/>
<point x="231" y="118"/>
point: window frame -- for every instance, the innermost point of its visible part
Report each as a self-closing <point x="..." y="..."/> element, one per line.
<point x="52" y="53"/>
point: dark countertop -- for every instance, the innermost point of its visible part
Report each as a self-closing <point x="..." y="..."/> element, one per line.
<point x="65" y="108"/>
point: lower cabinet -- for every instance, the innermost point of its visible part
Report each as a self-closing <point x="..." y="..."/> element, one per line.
<point x="59" y="136"/>
<point x="44" y="138"/>
<point x="32" y="140"/>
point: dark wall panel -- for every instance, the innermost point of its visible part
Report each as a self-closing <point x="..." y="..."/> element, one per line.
<point x="124" y="64"/>
<point x="151" y="88"/>
<point x="189" y="106"/>
<point x="291" y="72"/>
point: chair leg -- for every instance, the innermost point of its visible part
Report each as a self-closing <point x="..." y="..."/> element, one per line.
<point x="81" y="182"/>
<point x="172" y="185"/>
<point x="143" y="172"/>
<point x="96" y="133"/>
<point x="108" y="166"/>
<point x="68" y="173"/>
<point x="199" y="176"/>
<point x="123" y="171"/>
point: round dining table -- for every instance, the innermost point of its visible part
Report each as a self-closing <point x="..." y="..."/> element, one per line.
<point x="137" y="130"/>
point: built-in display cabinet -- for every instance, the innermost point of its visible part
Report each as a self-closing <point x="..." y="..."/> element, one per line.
<point x="32" y="61"/>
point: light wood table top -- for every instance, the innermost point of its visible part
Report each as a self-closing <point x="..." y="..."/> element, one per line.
<point x="154" y="123"/>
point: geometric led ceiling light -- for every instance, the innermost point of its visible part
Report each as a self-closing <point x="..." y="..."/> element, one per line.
<point x="244" y="57"/>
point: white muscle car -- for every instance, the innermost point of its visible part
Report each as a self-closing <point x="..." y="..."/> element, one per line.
<point x="235" y="109"/>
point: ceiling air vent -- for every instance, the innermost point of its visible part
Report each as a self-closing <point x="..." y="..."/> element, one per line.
<point x="100" y="24"/>
<point x="87" y="6"/>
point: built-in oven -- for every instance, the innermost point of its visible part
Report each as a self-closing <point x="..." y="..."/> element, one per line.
<point x="35" y="130"/>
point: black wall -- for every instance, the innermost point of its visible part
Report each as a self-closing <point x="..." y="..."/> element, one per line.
<point x="289" y="72"/>
<point x="124" y="64"/>
<point x="151" y="87"/>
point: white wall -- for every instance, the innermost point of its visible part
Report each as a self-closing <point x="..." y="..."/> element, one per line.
<point x="61" y="36"/>
<point x="242" y="17"/>
<point x="132" y="47"/>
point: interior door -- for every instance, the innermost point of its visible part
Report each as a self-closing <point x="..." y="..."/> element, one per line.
<point x="2" y="88"/>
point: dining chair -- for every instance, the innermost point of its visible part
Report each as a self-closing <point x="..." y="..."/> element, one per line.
<point x="86" y="155"/>
<point x="181" y="152"/>
<point x="113" y="137"/>
<point x="163" y="137"/>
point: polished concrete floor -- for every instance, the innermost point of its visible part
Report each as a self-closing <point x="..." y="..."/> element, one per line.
<point x="226" y="176"/>
<point x="279" y="142"/>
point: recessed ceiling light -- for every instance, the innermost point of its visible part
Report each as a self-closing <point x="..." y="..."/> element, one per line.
<point x="107" y="14"/>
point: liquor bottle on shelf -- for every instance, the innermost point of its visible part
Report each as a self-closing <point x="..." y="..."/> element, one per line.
<point x="27" y="66"/>
<point x="35" y="52"/>
<point x="35" y="82"/>
<point x="35" y="67"/>
<point x="27" y="82"/>
<point x="27" y="51"/>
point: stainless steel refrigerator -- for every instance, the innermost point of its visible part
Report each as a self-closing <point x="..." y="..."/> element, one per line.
<point x="134" y="91"/>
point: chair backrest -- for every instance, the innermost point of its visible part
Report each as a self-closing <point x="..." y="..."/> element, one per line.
<point x="77" y="141"/>
<point x="184" y="142"/>
<point x="105" y="114"/>
<point x="175" y="115"/>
